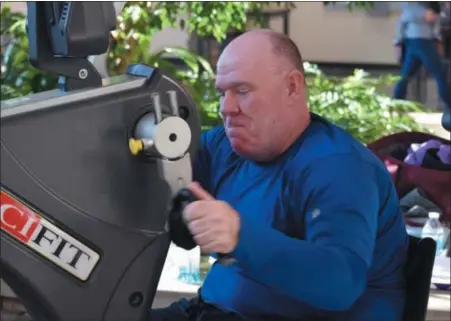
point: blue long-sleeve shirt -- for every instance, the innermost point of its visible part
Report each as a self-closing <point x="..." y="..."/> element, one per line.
<point x="321" y="234"/>
<point x="412" y="25"/>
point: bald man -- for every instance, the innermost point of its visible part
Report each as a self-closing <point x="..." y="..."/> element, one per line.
<point x="309" y="214"/>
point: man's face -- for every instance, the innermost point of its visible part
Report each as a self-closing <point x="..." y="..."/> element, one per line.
<point x="252" y="104"/>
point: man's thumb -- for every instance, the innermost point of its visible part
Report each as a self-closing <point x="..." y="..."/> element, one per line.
<point x="199" y="192"/>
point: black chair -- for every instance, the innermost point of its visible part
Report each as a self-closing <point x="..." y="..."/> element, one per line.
<point x="418" y="271"/>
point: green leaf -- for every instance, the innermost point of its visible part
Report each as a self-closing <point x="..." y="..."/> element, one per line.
<point x="19" y="77"/>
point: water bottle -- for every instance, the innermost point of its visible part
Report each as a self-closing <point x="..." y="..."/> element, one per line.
<point x="205" y="266"/>
<point x="189" y="267"/>
<point x="435" y="231"/>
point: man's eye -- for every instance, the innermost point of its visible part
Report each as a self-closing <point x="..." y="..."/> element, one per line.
<point x="242" y="90"/>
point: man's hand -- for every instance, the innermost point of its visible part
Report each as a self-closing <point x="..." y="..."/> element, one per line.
<point x="430" y="16"/>
<point x="214" y="224"/>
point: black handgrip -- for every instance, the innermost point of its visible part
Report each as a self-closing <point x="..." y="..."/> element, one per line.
<point x="178" y="230"/>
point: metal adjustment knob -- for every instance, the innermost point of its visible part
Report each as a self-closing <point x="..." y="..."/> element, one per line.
<point x="168" y="137"/>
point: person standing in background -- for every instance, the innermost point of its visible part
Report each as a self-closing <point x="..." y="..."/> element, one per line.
<point x="418" y="33"/>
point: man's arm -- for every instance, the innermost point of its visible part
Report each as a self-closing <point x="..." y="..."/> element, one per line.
<point x="210" y="154"/>
<point x="329" y="269"/>
<point x="202" y="162"/>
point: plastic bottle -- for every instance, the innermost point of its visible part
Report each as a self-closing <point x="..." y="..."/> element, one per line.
<point x="189" y="267"/>
<point x="205" y="266"/>
<point x="434" y="229"/>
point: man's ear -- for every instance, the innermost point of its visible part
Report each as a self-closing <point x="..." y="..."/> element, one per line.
<point x="295" y="83"/>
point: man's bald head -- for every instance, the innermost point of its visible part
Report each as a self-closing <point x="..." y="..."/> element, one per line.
<point x="284" y="47"/>
<point x="281" y="47"/>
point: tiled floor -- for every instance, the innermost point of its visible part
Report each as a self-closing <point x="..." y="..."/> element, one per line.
<point x="439" y="306"/>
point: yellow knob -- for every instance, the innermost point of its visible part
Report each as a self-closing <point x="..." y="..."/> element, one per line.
<point x="135" y="146"/>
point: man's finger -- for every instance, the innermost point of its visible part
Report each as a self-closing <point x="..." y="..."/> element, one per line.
<point x="198" y="226"/>
<point x="199" y="192"/>
<point x="204" y="238"/>
<point x="197" y="210"/>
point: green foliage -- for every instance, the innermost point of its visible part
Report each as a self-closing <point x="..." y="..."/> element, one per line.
<point x="137" y="24"/>
<point x="18" y="76"/>
<point x="353" y="5"/>
<point x="139" y="21"/>
<point x="357" y="104"/>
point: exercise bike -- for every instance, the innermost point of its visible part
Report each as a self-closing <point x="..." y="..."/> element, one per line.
<point x="93" y="174"/>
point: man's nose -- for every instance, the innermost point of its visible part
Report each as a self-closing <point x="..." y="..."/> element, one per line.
<point x="229" y="104"/>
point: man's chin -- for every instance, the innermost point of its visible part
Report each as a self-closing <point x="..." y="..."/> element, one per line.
<point x="238" y="145"/>
<point x="244" y="151"/>
<point x="241" y="149"/>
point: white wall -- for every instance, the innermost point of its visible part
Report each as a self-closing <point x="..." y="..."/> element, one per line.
<point x="341" y="36"/>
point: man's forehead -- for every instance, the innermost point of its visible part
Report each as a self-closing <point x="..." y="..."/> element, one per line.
<point x="235" y="74"/>
<point x="243" y="71"/>
<point x="230" y="63"/>
<point x="240" y="65"/>
<point x="245" y="52"/>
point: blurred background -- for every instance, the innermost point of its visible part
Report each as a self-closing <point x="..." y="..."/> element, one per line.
<point x="335" y="38"/>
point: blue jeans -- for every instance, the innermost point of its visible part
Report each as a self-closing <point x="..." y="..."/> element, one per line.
<point x="423" y="52"/>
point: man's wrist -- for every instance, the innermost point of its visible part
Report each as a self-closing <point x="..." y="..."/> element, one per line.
<point x="240" y="249"/>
